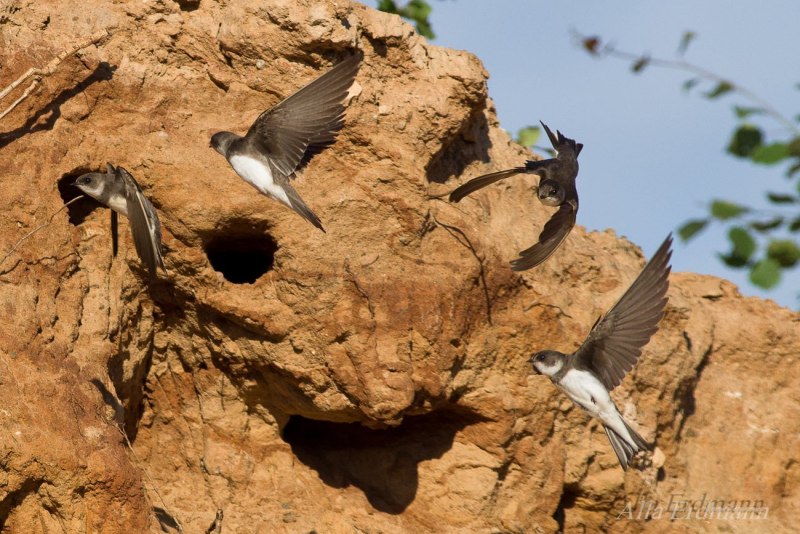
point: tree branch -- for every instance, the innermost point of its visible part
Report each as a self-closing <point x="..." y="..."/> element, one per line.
<point x="590" y="44"/>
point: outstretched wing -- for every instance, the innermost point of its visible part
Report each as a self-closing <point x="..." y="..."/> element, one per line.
<point x="144" y="222"/>
<point x="552" y="236"/>
<point x="532" y="167"/>
<point x="306" y="121"/>
<point x="617" y="338"/>
<point x="481" y="182"/>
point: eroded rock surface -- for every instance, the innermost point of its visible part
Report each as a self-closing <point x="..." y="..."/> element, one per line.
<point x="372" y="378"/>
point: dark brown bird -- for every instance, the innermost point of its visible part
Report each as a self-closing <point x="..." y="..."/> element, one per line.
<point x="610" y="351"/>
<point x="556" y="188"/>
<point x="284" y="138"/>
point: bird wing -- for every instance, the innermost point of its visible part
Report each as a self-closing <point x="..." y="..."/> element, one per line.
<point x="617" y="338"/>
<point x="114" y="233"/>
<point x="531" y="167"/>
<point x="144" y="222"/>
<point x="307" y="121"/>
<point x="481" y="182"/>
<point x="296" y="202"/>
<point x="552" y="236"/>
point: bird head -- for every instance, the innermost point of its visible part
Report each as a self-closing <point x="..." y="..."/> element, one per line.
<point x="91" y="183"/>
<point x="221" y="141"/>
<point x="547" y="362"/>
<point x="551" y="193"/>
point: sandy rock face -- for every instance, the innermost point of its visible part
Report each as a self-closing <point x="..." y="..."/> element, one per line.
<point x="371" y="378"/>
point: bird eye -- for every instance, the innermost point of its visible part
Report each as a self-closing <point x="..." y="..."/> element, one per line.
<point x="86" y="180"/>
<point x="540" y="357"/>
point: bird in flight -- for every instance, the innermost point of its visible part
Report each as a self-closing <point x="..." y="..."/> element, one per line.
<point x="285" y="137"/>
<point x="556" y="188"/>
<point x="610" y="351"/>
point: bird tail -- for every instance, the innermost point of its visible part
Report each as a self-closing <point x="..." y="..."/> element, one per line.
<point x="626" y="451"/>
<point x="561" y="141"/>
<point x="482" y="181"/>
<point x="297" y="204"/>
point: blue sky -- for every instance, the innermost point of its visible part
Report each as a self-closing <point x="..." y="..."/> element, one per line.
<point x="654" y="155"/>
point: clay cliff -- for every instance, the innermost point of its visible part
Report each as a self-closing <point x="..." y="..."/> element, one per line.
<point x="373" y="378"/>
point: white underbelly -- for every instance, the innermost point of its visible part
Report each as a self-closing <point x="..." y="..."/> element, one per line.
<point x="259" y="176"/>
<point x="588" y="392"/>
<point x="119" y="204"/>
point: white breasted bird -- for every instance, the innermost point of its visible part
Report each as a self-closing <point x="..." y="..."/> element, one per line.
<point x="285" y="137"/>
<point x="610" y="351"/>
<point x="118" y="190"/>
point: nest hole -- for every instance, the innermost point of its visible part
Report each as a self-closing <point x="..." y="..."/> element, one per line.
<point x="78" y="211"/>
<point x="242" y="258"/>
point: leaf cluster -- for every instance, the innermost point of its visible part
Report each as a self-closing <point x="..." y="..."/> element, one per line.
<point x="764" y="242"/>
<point x="417" y="11"/>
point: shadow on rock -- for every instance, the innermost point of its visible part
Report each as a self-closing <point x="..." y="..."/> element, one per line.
<point x="103" y="72"/>
<point x="470" y="144"/>
<point x="381" y="463"/>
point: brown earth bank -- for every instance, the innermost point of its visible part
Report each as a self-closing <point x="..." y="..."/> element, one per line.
<point x="373" y="378"/>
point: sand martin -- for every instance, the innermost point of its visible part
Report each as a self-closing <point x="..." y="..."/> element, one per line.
<point x="611" y="350"/>
<point x="118" y="190"/>
<point x="556" y="188"/>
<point x="285" y="137"/>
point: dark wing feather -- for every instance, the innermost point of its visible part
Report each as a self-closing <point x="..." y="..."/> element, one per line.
<point x="144" y="222"/>
<point x="616" y="340"/>
<point x="481" y="182"/>
<point x="300" y="206"/>
<point x="553" y="235"/>
<point x="111" y="171"/>
<point x="114" y="233"/>
<point x="306" y="121"/>
<point x="531" y="167"/>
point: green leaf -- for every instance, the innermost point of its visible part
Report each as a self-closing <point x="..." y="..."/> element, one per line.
<point x="770" y="154"/>
<point x="528" y="135"/>
<point x="690" y="228"/>
<point x="640" y="64"/>
<point x="766" y="226"/>
<point x="745" y="140"/>
<point x="784" y="251"/>
<point x="388" y="6"/>
<point x="794" y="147"/>
<point x="686" y="39"/>
<point x="766" y="273"/>
<point x="424" y="29"/>
<point x="419" y="11"/>
<point x="416" y="11"/>
<point x="724" y="210"/>
<point x="721" y="89"/>
<point x="742" y="247"/>
<point x="743" y="243"/>
<point x="794" y="226"/>
<point x="743" y="112"/>
<point x="780" y="198"/>
<point x="691" y="82"/>
<point x="732" y="261"/>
